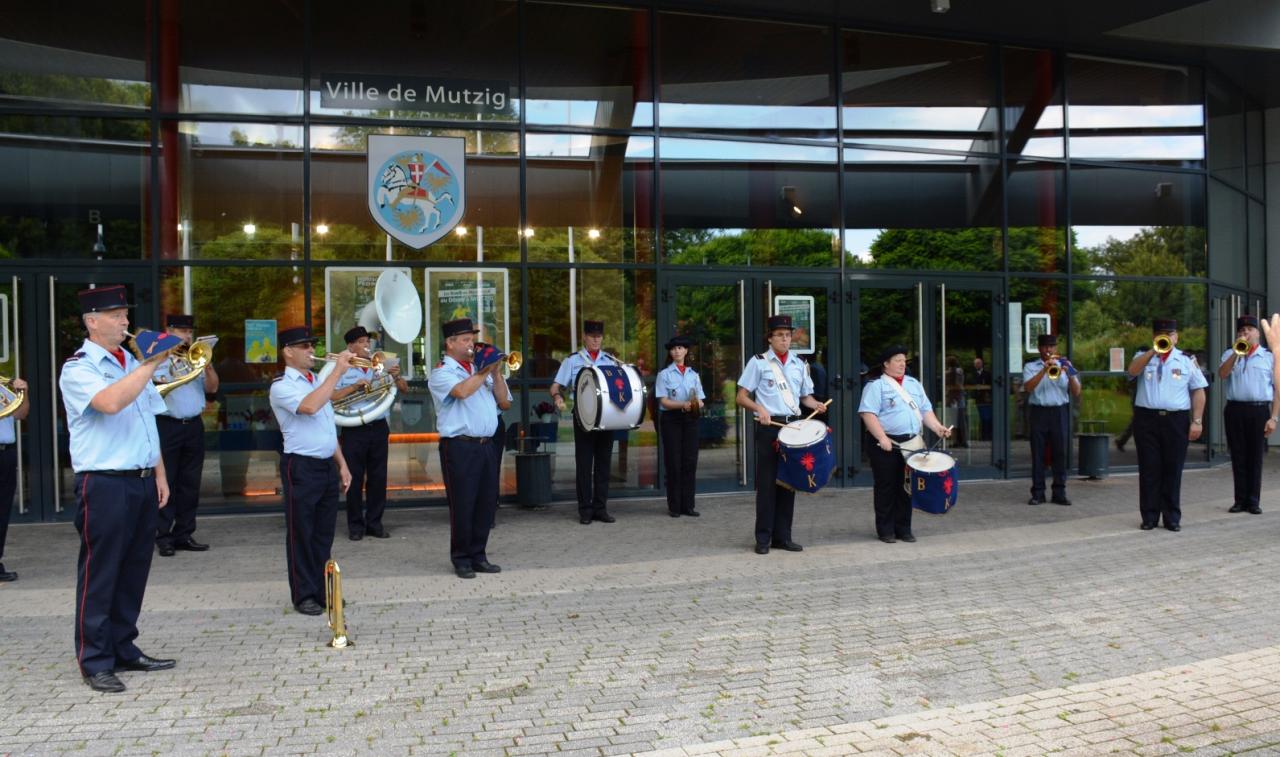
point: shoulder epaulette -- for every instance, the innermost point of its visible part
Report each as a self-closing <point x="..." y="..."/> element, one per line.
<point x="440" y="364"/>
<point x="76" y="356"/>
<point x="279" y="377"/>
<point x="762" y="356"/>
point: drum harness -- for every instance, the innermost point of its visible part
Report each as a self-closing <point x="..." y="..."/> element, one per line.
<point x="917" y="441"/>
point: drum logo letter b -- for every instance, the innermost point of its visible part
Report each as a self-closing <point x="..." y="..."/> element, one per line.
<point x="920" y="482"/>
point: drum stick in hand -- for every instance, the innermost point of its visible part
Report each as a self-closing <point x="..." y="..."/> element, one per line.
<point x="815" y="412"/>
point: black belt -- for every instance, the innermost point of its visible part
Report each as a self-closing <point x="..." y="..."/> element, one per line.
<point x="192" y="419"/>
<point x="1049" y="407"/>
<point x="1250" y="404"/>
<point x="784" y="418"/>
<point x="901" y="437"/>
<point x="475" y="439"/>
<point x="133" y="473"/>
<point x="1160" y="412"/>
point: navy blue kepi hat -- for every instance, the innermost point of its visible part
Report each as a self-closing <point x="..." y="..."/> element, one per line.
<point x="593" y="327"/>
<point x="1046" y="340"/>
<point x="1160" y="325"/>
<point x="111" y="297"/>
<point x="354" y="334"/>
<point x="897" y="349"/>
<point x="297" y="335"/>
<point x="678" y="341"/>
<point x="180" y="321"/>
<point x="1246" y="320"/>
<point x="459" y="326"/>
<point x="779" y="322"/>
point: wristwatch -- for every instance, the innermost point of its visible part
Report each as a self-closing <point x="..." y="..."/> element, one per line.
<point x="1195" y="422"/>
<point x="1275" y="419"/>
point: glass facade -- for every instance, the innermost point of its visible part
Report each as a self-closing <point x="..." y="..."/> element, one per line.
<point x="670" y="170"/>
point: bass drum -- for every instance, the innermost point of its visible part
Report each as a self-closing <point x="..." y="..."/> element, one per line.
<point x="609" y="398"/>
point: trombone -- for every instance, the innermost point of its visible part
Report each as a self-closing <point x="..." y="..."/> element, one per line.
<point x="1241" y="347"/>
<point x="1162" y="344"/>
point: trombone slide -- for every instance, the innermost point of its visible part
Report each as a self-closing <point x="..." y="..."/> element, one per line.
<point x="333" y="602"/>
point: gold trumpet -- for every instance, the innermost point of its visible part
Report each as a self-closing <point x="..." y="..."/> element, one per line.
<point x="1162" y="344"/>
<point x="333" y="600"/>
<point x="10" y="399"/>
<point x="1055" y="371"/>
<point x="1241" y="347"/>
<point x="375" y="362"/>
<point x="511" y="362"/>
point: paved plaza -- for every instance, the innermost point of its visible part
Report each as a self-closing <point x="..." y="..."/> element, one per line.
<point x="1007" y="629"/>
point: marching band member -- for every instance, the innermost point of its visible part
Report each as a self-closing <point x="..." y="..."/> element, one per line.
<point x="365" y="447"/>
<point x="775" y="376"/>
<point x="182" y="446"/>
<point x="312" y="469"/>
<point x="1167" y="414"/>
<point x="111" y="406"/>
<point x="1251" y="414"/>
<point x="1049" y="410"/>
<point x="466" y="417"/>
<point x="895" y="408"/>
<point x="9" y="469"/>
<point x="680" y="396"/>
<point x="592" y="450"/>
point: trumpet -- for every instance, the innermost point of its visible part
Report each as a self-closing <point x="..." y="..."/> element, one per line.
<point x="1162" y="344"/>
<point x="1241" y="347"/>
<point x="511" y="362"/>
<point x="10" y="399"/>
<point x="333" y="600"/>
<point x="375" y="361"/>
<point x="1055" y="371"/>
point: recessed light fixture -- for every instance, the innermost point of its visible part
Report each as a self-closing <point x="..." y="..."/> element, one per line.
<point x="250" y="228"/>
<point x="593" y="233"/>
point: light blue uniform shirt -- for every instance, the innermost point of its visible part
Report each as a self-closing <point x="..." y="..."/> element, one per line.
<point x="1250" y="379"/>
<point x="681" y="387"/>
<point x="309" y="435"/>
<point x="126" y="440"/>
<point x="8" y="430"/>
<point x="354" y="375"/>
<point x="896" y="417"/>
<point x="187" y="401"/>
<point x="568" y="373"/>
<point x="758" y="377"/>
<point x="1048" y="393"/>
<point x="1167" y="384"/>
<point x="476" y="415"/>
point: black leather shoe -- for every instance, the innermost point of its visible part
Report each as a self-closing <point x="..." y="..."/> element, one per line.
<point x="585" y="520"/>
<point x="355" y="536"/>
<point x="673" y="515"/>
<point x="382" y="533"/>
<point x="1061" y="501"/>
<point x="486" y="567"/>
<point x="789" y="546"/>
<point x="1174" y="528"/>
<point x="762" y="549"/>
<point x="309" y="606"/>
<point x="909" y="538"/>
<point x="1256" y="510"/>
<point x="106" y="682"/>
<point x="888" y="540"/>
<point x="1148" y="526"/>
<point x="145" y="664"/>
<point x="7" y="576"/>
<point x="166" y="550"/>
<point x="1034" y="501"/>
<point x="1237" y="508"/>
<point x="605" y="518"/>
<point x="464" y="572"/>
<point x="191" y="545"/>
<point x="692" y="513"/>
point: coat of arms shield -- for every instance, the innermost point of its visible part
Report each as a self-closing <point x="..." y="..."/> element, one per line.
<point x="416" y="186"/>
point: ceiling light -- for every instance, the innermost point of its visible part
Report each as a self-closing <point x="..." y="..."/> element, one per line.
<point x="250" y="228"/>
<point x="593" y="233"/>
<point x="460" y="231"/>
<point x="322" y="229"/>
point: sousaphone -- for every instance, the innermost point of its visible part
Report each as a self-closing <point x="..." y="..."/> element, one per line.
<point x="398" y="311"/>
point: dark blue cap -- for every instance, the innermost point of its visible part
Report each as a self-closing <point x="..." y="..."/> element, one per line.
<point x="459" y="326"/>
<point x="111" y="297"/>
<point x="779" y="322"/>
<point x="354" y="334"/>
<point x="180" y="321"/>
<point x="297" y="335"/>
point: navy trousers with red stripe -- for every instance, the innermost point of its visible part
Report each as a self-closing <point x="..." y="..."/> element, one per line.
<point x="471" y="486"/>
<point x="310" y="515"/>
<point x="116" y="518"/>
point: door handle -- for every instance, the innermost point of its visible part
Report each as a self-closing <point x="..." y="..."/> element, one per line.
<point x="53" y="395"/>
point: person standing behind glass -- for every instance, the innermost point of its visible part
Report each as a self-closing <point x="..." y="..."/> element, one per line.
<point x="1049" y="411"/>
<point x="680" y="396"/>
<point x="592" y="450"/>
<point x="982" y="393"/>
<point x="895" y="409"/>
<point x="1251" y="414"/>
<point x="9" y="468"/>
<point x="781" y="384"/>
<point x="182" y="445"/>
<point x="1167" y="415"/>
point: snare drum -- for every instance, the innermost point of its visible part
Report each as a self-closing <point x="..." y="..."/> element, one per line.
<point x="805" y="456"/>
<point x="931" y="481"/>
<point x="609" y="398"/>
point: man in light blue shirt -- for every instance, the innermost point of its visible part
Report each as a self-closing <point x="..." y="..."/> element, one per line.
<point x="466" y="418"/>
<point x="1049" y="413"/>
<point x="182" y="444"/>
<point x="312" y="470"/>
<point x="1251" y="414"/>
<point x="592" y="450"/>
<point x="9" y="468"/>
<point x="111" y="406"/>
<point x="1167" y="415"/>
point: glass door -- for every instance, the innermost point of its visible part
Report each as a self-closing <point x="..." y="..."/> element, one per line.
<point x="1225" y="306"/>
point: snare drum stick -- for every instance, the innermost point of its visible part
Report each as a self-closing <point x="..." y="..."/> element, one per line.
<point x="815" y="412"/>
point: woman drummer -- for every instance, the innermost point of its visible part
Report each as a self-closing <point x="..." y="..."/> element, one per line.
<point x="894" y="409"/>
<point x="680" y="396"/>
